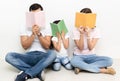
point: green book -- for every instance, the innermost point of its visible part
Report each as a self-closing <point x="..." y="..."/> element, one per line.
<point x="59" y="27"/>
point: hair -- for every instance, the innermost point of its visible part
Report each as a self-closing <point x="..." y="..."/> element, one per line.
<point x="51" y="44"/>
<point x="35" y="6"/>
<point x="56" y="21"/>
<point x="86" y="10"/>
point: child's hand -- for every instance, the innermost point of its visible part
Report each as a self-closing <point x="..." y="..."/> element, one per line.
<point x="63" y="34"/>
<point x="87" y="30"/>
<point x="81" y="29"/>
<point x="58" y="35"/>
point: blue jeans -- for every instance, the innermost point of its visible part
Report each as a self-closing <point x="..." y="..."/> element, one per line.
<point x="31" y="63"/>
<point x="59" y="61"/>
<point x="91" y="63"/>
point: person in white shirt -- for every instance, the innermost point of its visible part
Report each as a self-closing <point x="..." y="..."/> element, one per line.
<point x="36" y="42"/>
<point x="60" y="44"/>
<point x="84" y="57"/>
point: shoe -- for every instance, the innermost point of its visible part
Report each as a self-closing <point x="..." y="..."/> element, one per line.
<point x="22" y="76"/>
<point x="41" y="76"/>
<point x="77" y="70"/>
<point x="110" y="71"/>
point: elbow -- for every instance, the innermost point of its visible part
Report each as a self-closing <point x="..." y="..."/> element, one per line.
<point x="25" y="47"/>
<point x="90" y="49"/>
<point x="58" y="50"/>
<point x="66" y="47"/>
<point x="81" y="49"/>
<point x="46" y="47"/>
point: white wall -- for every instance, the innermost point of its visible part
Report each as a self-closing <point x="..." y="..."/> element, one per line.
<point x="12" y="14"/>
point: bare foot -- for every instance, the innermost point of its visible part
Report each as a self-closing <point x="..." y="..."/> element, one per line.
<point x="108" y="71"/>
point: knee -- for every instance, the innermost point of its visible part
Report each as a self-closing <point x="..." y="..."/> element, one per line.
<point x="68" y="66"/>
<point x="52" y="54"/>
<point x="57" y="67"/>
<point x="109" y="61"/>
<point x="73" y="61"/>
<point x="9" y="56"/>
<point x="66" y="63"/>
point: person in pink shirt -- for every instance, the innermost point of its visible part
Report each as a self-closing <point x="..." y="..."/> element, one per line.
<point x="84" y="57"/>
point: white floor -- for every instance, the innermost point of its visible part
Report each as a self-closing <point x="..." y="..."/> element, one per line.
<point x="8" y="73"/>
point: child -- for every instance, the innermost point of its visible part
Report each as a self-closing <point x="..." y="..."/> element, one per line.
<point x="60" y="44"/>
<point x="84" y="57"/>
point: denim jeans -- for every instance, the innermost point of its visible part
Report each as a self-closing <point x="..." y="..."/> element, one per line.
<point x="31" y="63"/>
<point x="91" y="63"/>
<point x="59" y="61"/>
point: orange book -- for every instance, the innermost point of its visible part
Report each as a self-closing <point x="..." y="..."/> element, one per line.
<point x="85" y="20"/>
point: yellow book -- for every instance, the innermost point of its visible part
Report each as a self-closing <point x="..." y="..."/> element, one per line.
<point x="85" y="20"/>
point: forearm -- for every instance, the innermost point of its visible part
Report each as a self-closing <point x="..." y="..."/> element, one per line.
<point x="28" y="42"/>
<point x="91" y="43"/>
<point x="81" y="42"/>
<point x="57" y="45"/>
<point x="44" y="42"/>
<point x="65" y="42"/>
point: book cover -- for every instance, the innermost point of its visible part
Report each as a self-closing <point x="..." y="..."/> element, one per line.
<point x="58" y="27"/>
<point x="37" y="18"/>
<point x="85" y="20"/>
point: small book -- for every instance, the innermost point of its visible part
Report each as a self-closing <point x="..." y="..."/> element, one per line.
<point x="59" y="27"/>
<point x="85" y="20"/>
<point x="35" y="18"/>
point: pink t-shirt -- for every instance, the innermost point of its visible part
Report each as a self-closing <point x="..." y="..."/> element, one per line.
<point x="95" y="33"/>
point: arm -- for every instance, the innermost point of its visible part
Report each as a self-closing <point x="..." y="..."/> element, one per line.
<point x="45" y="41"/>
<point x="57" y="45"/>
<point x="80" y="43"/>
<point x="26" y="41"/>
<point x="92" y="43"/>
<point x="65" y="40"/>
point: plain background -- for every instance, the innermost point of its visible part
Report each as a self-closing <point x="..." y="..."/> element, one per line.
<point x="12" y="17"/>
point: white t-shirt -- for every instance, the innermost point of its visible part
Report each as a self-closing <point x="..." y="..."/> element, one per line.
<point x="36" y="46"/>
<point x="95" y="33"/>
<point x="63" y="51"/>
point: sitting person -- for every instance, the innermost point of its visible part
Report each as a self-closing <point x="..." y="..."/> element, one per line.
<point x="60" y="44"/>
<point x="84" y="58"/>
<point x="37" y="57"/>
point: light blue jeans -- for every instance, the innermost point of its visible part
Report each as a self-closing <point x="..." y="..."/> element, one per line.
<point x="91" y="63"/>
<point x="61" y="61"/>
<point x="31" y="63"/>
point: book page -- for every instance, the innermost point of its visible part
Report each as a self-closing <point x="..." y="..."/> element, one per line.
<point x="40" y="19"/>
<point x="37" y="18"/>
<point x="30" y="19"/>
<point x="90" y="20"/>
<point x="85" y="20"/>
<point x="54" y="28"/>
<point x="79" y="20"/>
<point x="62" y="27"/>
